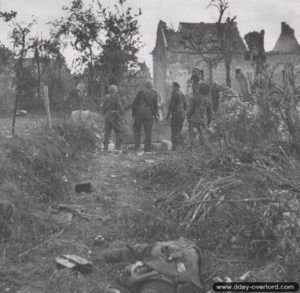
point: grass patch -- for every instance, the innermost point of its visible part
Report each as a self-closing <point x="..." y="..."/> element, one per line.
<point x="245" y="205"/>
<point x="38" y="168"/>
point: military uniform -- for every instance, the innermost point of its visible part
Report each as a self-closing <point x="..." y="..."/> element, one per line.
<point x="144" y="108"/>
<point x="162" y="267"/>
<point x="199" y="117"/>
<point x="113" y="112"/>
<point x="177" y="108"/>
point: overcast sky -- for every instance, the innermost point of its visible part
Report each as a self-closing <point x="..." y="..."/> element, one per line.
<point x="251" y="15"/>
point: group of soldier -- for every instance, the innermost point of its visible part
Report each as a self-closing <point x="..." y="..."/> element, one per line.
<point x="145" y="110"/>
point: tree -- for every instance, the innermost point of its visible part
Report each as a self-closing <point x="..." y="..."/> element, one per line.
<point x="107" y="39"/>
<point x="225" y="34"/>
<point x="45" y="51"/>
<point x="207" y="46"/>
<point x="81" y="29"/>
<point x="5" y="53"/>
<point x="7" y="94"/>
<point x="214" y="46"/>
<point x="122" y="42"/>
<point x="255" y="43"/>
<point x="8" y="16"/>
<point x="21" y="46"/>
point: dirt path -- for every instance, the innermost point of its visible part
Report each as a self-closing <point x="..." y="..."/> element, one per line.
<point x="107" y="211"/>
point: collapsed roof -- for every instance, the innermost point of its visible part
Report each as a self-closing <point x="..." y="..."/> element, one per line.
<point x="175" y="41"/>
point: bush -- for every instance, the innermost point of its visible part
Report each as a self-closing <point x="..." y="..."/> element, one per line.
<point x="37" y="168"/>
<point x="242" y="198"/>
<point x="150" y="224"/>
<point x="39" y="162"/>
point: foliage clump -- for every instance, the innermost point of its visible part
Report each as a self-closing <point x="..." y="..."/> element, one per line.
<point x="38" y="168"/>
<point x="243" y="197"/>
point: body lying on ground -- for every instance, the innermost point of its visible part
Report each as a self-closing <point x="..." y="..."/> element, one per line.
<point x="164" y="267"/>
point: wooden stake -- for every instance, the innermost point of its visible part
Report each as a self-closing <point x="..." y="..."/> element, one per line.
<point x="47" y="105"/>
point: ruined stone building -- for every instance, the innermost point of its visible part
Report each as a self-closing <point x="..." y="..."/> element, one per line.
<point x="286" y="50"/>
<point x="174" y="61"/>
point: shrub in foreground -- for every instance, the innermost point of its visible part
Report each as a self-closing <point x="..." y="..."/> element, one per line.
<point x="38" y="168"/>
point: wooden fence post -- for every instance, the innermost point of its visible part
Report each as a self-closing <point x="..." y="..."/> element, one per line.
<point x="47" y="105"/>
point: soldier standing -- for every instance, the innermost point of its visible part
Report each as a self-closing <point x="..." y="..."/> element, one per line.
<point x="199" y="115"/>
<point x="144" y="109"/>
<point x="113" y="112"/>
<point x="177" y="108"/>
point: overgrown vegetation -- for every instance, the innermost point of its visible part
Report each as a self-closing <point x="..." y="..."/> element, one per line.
<point x="38" y="168"/>
<point x="244" y="198"/>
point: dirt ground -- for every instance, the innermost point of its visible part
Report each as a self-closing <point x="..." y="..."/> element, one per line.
<point x="120" y="208"/>
<point x="103" y="212"/>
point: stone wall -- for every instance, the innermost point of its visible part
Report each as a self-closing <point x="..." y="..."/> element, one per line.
<point x="277" y="60"/>
<point x="170" y="66"/>
<point x="181" y="66"/>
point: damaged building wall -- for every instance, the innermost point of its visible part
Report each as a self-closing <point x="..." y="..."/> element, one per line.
<point x="172" y="63"/>
<point x="276" y="63"/>
<point x="286" y="50"/>
<point x="181" y="65"/>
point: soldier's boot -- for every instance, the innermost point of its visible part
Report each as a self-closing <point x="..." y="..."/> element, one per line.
<point x="107" y="134"/>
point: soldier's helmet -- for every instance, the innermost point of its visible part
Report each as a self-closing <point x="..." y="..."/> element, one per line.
<point x="148" y="84"/>
<point x="112" y="89"/>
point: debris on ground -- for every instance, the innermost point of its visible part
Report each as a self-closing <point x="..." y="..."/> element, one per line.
<point x="99" y="240"/>
<point x="116" y="176"/>
<point x="117" y="152"/>
<point x="165" y="145"/>
<point x="74" y="262"/>
<point x="150" y="161"/>
<point x="21" y="113"/>
<point x="75" y="210"/>
<point x="84" y="187"/>
<point x="110" y="289"/>
<point x="62" y="218"/>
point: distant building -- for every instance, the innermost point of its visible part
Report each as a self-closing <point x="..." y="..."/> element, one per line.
<point x="286" y="49"/>
<point x="173" y="61"/>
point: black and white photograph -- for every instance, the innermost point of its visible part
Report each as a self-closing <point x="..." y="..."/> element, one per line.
<point x="149" y="146"/>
